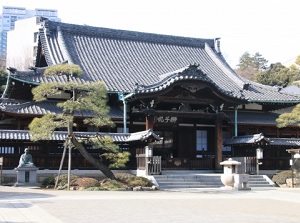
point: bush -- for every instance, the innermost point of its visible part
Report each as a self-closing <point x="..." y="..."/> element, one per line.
<point x="113" y="185"/>
<point x="139" y="181"/>
<point x="86" y="182"/>
<point x="48" y="181"/>
<point x="96" y="189"/>
<point x="63" y="180"/>
<point x="132" y="180"/>
<point x="125" y="181"/>
<point x="124" y="176"/>
<point x="280" y="177"/>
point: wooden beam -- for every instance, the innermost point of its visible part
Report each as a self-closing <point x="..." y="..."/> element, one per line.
<point x="149" y="122"/>
<point x="219" y="141"/>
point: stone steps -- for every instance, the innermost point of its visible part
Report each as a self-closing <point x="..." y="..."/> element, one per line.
<point x="193" y="179"/>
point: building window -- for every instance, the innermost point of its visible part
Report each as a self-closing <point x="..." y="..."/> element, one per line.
<point x="35" y="37"/>
<point x="33" y="148"/>
<point x="34" y="51"/>
<point x="7" y="150"/>
<point x="226" y="136"/>
<point x="201" y="140"/>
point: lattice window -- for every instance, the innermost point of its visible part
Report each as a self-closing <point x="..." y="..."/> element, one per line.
<point x="7" y="150"/>
<point x="201" y="140"/>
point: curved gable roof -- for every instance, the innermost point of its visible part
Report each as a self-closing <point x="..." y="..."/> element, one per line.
<point x="123" y="59"/>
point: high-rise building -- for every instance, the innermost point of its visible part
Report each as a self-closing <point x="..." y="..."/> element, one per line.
<point x="11" y="14"/>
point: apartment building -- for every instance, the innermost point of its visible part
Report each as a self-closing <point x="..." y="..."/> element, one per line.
<point x="12" y="14"/>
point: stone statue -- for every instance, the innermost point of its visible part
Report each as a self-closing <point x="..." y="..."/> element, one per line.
<point x="26" y="159"/>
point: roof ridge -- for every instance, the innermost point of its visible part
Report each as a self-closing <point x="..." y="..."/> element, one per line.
<point x="130" y="35"/>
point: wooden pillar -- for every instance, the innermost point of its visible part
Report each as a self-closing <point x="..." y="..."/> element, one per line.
<point x="219" y="141"/>
<point x="19" y="124"/>
<point x="149" y="122"/>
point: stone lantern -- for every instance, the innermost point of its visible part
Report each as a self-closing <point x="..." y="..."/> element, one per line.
<point x="230" y="177"/>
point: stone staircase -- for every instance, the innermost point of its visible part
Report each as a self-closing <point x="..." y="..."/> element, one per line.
<point x="260" y="181"/>
<point x="197" y="179"/>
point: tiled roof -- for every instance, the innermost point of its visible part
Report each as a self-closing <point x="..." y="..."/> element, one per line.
<point x="35" y="76"/>
<point x="254" y="139"/>
<point x="120" y="58"/>
<point x="143" y="135"/>
<point x="47" y="107"/>
<point x="123" y="59"/>
<point x="250" y="91"/>
<point x="291" y="142"/>
<point x="24" y="135"/>
<point x="253" y="117"/>
<point x="246" y="139"/>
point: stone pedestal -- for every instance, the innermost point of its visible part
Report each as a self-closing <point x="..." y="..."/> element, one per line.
<point x="26" y="176"/>
<point x="241" y="182"/>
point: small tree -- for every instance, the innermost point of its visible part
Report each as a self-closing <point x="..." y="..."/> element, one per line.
<point x="90" y="97"/>
<point x="290" y="118"/>
<point x="276" y="75"/>
<point x="297" y="61"/>
<point x="3" y="78"/>
<point x="251" y="64"/>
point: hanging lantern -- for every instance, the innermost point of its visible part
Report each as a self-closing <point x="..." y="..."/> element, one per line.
<point x="259" y="153"/>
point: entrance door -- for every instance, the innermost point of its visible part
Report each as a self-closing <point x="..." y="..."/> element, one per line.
<point x="186" y="142"/>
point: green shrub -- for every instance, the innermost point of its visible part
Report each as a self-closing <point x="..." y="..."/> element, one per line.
<point x="86" y="182"/>
<point x="48" y="181"/>
<point x="280" y="177"/>
<point x="113" y="185"/>
<point x="63" y="180"/>
<point x="139" y="181"/>
<point x="95" y="189"/>
<point x="132" y="180"/>
<point x="124" y="176"/>
<point x="125" y="181"/>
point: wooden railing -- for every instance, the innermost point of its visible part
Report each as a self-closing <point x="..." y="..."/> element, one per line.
<point x="248" y="164"/>
<point x="152" y="165"/>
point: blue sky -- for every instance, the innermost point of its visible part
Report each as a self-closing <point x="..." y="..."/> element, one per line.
<point x="270" y="27"/>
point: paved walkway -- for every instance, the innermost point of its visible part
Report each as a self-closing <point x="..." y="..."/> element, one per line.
<point x="193" y="205"/>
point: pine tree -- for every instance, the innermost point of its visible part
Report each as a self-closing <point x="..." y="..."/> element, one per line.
<point x="90" y="97"/>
